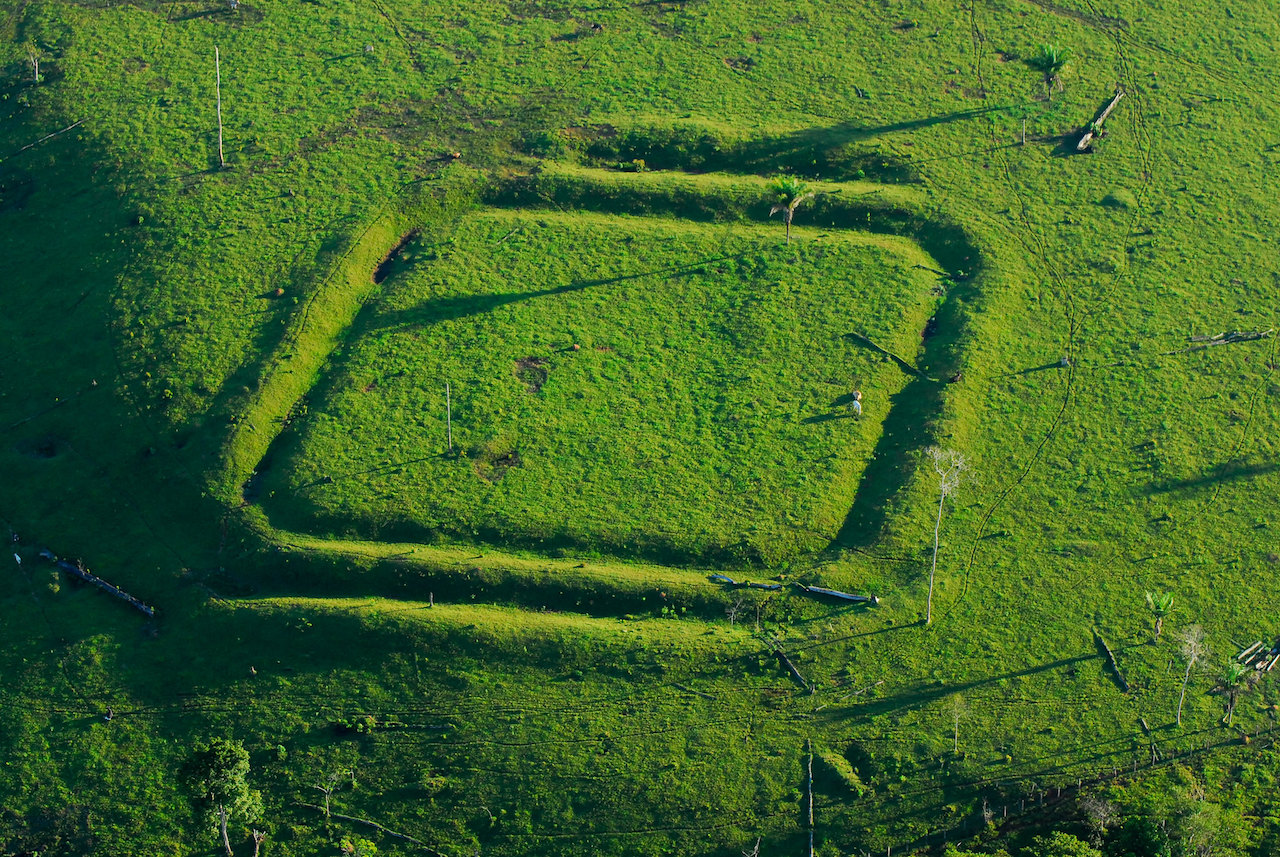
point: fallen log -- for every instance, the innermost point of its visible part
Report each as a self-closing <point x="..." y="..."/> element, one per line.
<point x="1227" y="338"/>
<point x="795" y="673"/>
<point x="79" y="571"/>
<point x="791" y="668"/>
<point x="834" y="593"/>
<point x="1250" y="650"/>
<point x="738" y="584"/>
<point x="1095" y="127"/>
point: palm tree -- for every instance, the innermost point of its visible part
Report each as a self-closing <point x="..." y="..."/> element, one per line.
<point x="1235" y="680"/>
<point x="1161" y="605"/>
<point x="791" y="191"/>
<point x="1050" y="61"/>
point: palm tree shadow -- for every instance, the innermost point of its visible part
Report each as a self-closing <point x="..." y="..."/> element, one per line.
<point x="1230" y="471"/>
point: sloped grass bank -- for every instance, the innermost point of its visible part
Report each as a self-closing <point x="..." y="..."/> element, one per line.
<point x="345" y="567"/>
<point x="320" y="324"/>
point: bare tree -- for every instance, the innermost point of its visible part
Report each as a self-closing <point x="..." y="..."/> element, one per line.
<point x="332" y="786"/>
<point x="957" y="709"/>
<point x="33" y="57"/>
<point x="1191" y="645"/>
<point x="258" y="836"/>
<point x="1100" y="814"/>
<point x="734" y="610"/>
<point x="753" y="851"/>
<point x="949" y="465"/>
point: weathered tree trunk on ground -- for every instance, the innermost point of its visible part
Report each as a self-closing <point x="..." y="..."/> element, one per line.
<point x="1096" y="126"/>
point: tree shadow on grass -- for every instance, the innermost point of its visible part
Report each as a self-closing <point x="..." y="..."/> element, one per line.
<point x="461" y="306"/>
<point x="1056" y="364"/>
<point x="802" y="151"/>
<point x="1230" y="471"/>
<point x="818" y="152"/>
<point x="922" y="696"/>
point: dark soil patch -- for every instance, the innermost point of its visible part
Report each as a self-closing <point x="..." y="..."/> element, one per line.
<point x="44" y="447"/>
<point x="493" y="466"/>
<point x="533" y="371"/>
<point x="387" y="265"/>
<point x="15" y="189"/>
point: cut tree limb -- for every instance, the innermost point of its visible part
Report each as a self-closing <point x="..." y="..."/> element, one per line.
<point x="375" y="825"/>
<point x="1226" y="338"/>
<point x="1095" y="127"/>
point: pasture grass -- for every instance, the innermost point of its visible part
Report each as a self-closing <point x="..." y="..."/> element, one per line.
<point x="131" y="262"/>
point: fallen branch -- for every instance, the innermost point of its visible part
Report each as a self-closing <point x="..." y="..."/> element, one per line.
<point x="380" y="828"/>
<point x="1095" y="127"/>
<point x="863" y="690"/>
<point x="46" y="137"/>
<point x="1224" y="339"/>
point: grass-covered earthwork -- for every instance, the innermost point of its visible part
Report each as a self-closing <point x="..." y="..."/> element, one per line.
<point x="639" y="386"/>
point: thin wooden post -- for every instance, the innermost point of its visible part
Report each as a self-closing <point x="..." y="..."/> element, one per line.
<point x="448" y="413"/>
<point x="1024" y="132"/>
<point x="217" y="70"/>
<point x="809" y="747"/>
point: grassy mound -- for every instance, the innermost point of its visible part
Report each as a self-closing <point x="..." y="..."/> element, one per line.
<point x="618" y="384"/>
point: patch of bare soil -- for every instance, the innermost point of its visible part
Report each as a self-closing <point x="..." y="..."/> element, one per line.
<point x="533" y="372"/>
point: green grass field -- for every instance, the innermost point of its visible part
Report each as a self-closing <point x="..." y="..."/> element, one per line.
<point x="192" y="352"/>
